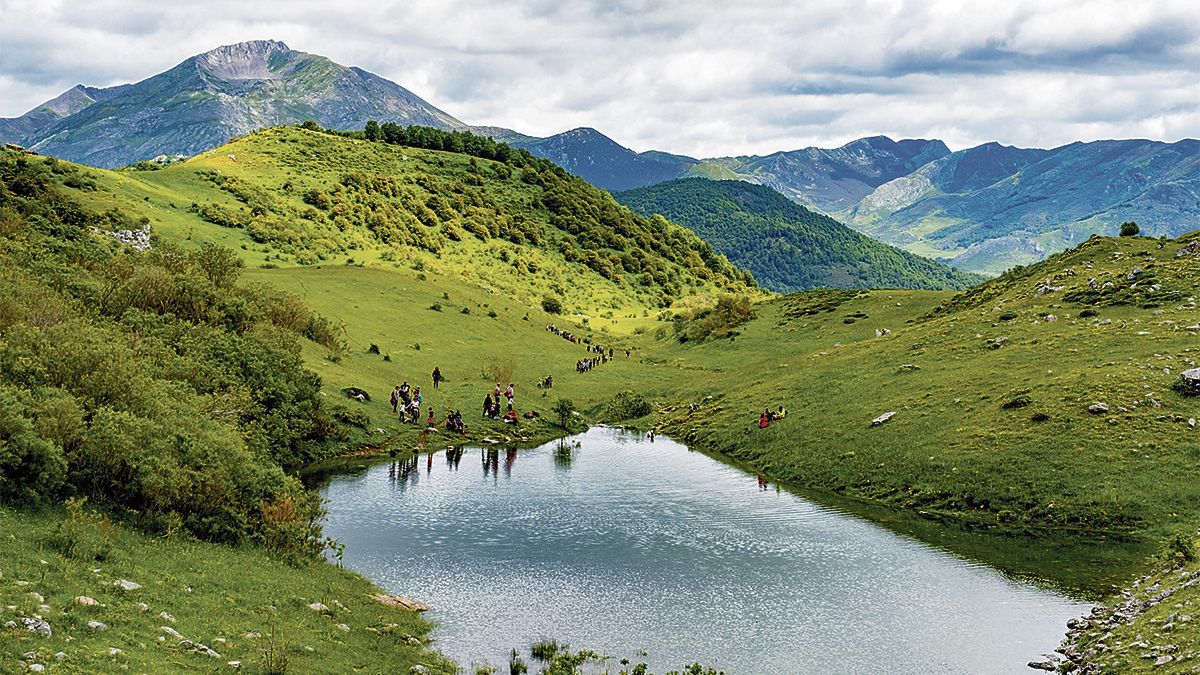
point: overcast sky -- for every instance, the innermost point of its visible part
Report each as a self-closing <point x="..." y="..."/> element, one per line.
<point x="697" y="77"/>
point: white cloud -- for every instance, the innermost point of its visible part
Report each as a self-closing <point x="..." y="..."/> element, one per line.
<point x="701" y="77"/>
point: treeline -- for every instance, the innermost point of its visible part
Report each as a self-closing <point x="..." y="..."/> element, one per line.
<point x="153" y="383"/>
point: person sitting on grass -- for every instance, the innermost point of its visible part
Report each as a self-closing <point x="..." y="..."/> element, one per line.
<point x="764" y="420"/>
<point x="778" y="415"/>
<point x="511" y="417"/>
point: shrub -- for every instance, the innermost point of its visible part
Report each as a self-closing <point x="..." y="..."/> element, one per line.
<point x="1130" y="229"/>
<point x="551" y="305"/>
<point x="627" y="406"/>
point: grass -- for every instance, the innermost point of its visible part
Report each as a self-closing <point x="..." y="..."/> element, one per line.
<point x="954" y="453"/>
<point x="219" y="596"/>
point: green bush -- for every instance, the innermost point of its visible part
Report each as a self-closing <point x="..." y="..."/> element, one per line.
<point x="1130" y="229"/>
<point x="551" y="305"/>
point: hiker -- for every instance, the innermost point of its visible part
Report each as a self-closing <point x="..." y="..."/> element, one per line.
<point x="549" y="382"/>
<point x="417" y="398"/>
<point x="487" y="406"/>
<point x="496" y="393"/>
<point x="437" y="376"/>
<point x="395" y="398"/>
<point x="508" y="393"/>
<point x="431" y="421"/>
<point x="764" y="420"/>
<point x="404" y="391"/>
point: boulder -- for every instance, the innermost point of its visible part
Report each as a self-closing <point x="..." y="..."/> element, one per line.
<point x="402" y="601"/>
<point x="85" y="601"/>
<point x="126" y="585"/>
<point x="1042" y="665"/>
<point x="96" y="626"/>
<point x="1188" y="383"/>
<point x="1098" y="408"/>
<point x="318" y="607"/>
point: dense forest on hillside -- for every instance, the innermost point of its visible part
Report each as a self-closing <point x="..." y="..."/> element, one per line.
<point x="152" y="382"/>
<point x="786" y="246"/>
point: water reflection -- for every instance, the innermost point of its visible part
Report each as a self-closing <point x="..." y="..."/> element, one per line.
<point x="616" y="543"/>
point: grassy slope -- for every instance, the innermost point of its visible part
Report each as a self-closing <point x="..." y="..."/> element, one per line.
<point x="216" y="594"/>
<point x="952" y="451"/>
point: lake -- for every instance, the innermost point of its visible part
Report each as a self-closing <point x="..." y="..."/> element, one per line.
<point x="644" y="549"/>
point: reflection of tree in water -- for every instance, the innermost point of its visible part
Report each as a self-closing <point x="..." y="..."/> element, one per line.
<point x="564" y="453"/>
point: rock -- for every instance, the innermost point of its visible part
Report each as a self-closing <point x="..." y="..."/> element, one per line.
<point x="880" y="332"/>
<point x="236" y="665"/>
<point x="166" y="617"/>
<point x="36" y="668"/>
<point x="96" y="626"/>
<point x="883" y="418"/>
<point x="10" y="624"/>
<point x="1098" y="408"/>
<point x="1188" y="383"/>
<point x="402" y="601"/>
<point x="59" y="656"/>
<point x="186" y="644"/>
<point x="126" y="585"/>
<point x="419" y="670"/>
<point x="1163" y="660"/>
<point x="252" y="635"/>
<point x="172" y="632"/>
<point x="37" y="597"/>
<point x="318" y="607"/>
<point x="85" y="601"/>
<point x="343" y="627"/>
<point x="1050" y="318"/>
<point x="1078" y="624"/>
<point x="113" y="651"/>
<point x="143" y="607"/>
<point x="1042" y="665"/>
<point x="908" y="367"/>
<point x="36" y="625"/>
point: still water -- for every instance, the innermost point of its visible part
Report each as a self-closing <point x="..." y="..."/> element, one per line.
<point x="647" y="550"/>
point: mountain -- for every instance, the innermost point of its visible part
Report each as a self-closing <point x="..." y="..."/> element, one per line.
<point x="785" y="245"/>
<point x="596" y="158"/>
<point x="990" y="207"/>
<point x="829" y="179"/>
<point x="208" y="99"/>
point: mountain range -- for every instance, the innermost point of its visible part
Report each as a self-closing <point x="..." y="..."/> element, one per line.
<point x="982" y="209"/>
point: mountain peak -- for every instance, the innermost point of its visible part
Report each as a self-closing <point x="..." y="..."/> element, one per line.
<point x="250" y="60"/>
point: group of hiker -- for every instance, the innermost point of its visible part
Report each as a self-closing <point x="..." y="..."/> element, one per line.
<point x="603" y="355"/>
<point x="491" y="405"/>
<point x="768" y="416"/>
<point x="406" y="401"/>
<point x="566" y="335"/>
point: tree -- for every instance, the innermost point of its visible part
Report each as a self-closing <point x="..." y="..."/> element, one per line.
<point x="372" y="131"/>
<point x="1130" y="229"/>
<point x="311" y="125"/>
<point x="565" y="409"/>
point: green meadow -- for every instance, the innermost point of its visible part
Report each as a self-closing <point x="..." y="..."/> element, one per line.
<point x="991" y="437"/>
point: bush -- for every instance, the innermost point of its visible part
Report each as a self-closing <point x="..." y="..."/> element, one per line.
<point x="1130" y="229"/>
<point x="551" y="305"/>
<point x="31" y="468"/>
<point x="627" y="406"/>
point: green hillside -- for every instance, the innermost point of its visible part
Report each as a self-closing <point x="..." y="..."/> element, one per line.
<point x="786" y="246"/>
<point x="992" y="437"/>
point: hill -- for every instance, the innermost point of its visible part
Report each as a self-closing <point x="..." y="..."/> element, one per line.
<point x="990" y="207"/>
<point x="786" y="246"/>
<point x="208" y="99"/>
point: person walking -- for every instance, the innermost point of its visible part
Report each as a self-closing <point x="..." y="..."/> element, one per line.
<point x="395" y="398"/>
<point x="437" y="376"/>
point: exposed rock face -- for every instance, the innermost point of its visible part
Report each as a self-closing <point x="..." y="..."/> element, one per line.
<point x="1189" y="382"/>
<point x="209" y="98"/>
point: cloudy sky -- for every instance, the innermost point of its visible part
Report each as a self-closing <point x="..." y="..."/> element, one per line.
<point x="699" y="77"/>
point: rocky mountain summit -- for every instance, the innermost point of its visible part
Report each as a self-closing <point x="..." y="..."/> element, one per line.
<point x="211" y="97"/>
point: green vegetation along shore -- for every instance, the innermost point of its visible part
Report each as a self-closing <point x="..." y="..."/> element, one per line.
<point x="1039" y="404"/>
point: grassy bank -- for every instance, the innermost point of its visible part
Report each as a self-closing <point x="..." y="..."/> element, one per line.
<point x="237" y="601"/>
